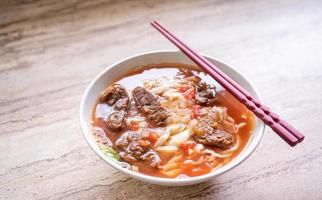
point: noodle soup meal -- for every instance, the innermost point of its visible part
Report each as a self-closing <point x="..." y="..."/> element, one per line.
<point x="170" y="121"/>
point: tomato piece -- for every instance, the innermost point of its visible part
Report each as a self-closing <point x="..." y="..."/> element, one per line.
<point x="188" y="165"/>
<point x="195" y="111"/>
<point x="187" y="145"/>
<point x="183" y="88"/>
<point x="190" y="94"/>
<point x="153" y="138"/>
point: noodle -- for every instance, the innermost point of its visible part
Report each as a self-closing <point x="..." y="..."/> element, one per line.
<point x="168" y="149"/>
<point x="215" y="154"/>
<point x="175" y="158"/>
<point x="172" y="173"/>
<point x="170" y="166"/>
<point x="163" y="138"/>
<point x="200" y="160"/>
<point x="241" y="125"/>
<point x="180" y="138"/>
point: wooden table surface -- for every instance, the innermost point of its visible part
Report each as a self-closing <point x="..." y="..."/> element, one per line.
<point x="51" y="50"/>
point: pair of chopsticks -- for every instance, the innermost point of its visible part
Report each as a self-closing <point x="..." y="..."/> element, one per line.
<point x="288" y="133"/>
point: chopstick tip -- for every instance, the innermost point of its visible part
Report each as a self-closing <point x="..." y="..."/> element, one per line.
<point x="154" y="22"/>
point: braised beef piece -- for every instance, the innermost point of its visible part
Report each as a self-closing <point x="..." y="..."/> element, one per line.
<point x="207" y="132"/>
<point x="116" y="95"/>
<point x="121" y="104"/>
<point x="150" y="106"/>
<point x="152" y="158"/>
<point x="134" y="148"/>
<point x="217" y="138"/>
<point x="206" y="94"/>
<point x="116" y="120"/>
<point x="124" y="140"/>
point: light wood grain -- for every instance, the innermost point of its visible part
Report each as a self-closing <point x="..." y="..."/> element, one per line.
<point x="50" y="50"/>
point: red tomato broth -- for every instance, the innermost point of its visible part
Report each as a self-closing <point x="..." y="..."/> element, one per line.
<point x="235" y="109"/>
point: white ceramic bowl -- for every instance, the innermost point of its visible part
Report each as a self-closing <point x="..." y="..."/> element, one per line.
<point x="110" y="73"/>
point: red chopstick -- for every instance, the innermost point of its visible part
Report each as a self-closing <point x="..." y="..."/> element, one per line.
<point x="282" y="128"/>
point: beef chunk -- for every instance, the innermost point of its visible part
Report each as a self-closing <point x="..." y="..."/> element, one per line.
<point x="207" y="132"/>
<point x="134" y="148"/>
<point x="152" y="158"/>
<point x="116" y="95"/>
<point x="116" y="120"/>
<point x="215" y="138"/>
<point x="150" y="106"/>
<point x="121" y="104"/>
<point x="129" y="145"/>
<point x="206" y="94"/>
<point x="125" y="139"/>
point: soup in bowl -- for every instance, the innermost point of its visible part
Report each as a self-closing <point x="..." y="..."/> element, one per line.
<point x="159" y="118"/>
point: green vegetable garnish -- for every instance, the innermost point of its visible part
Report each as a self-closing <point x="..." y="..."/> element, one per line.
<point x="109" y="151"/>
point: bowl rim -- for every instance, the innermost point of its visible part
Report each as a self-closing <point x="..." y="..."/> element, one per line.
<point x="159" y="180"/>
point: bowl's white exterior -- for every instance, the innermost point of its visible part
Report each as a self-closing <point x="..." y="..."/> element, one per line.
<point x="166" y="56"/>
